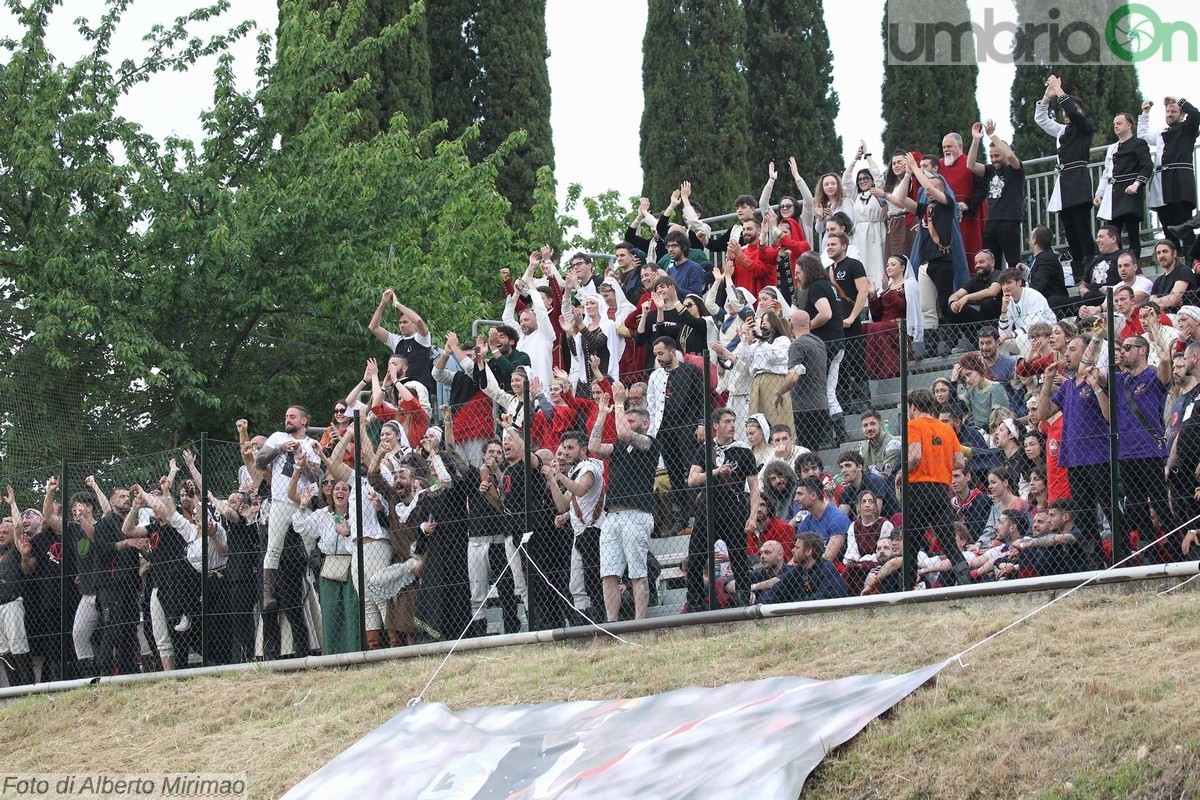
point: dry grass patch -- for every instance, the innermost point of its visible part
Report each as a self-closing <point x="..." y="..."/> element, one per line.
<point x="1094" y="698"/>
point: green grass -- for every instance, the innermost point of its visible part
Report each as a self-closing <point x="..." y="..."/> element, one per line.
<point x="1096" y="698"/>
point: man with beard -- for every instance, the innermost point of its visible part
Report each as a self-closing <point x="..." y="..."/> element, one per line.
<point x="279" y="453"/>
<point x="811" y="577"/>
<point x="1172" y="192"/>
<point x="734" y="514"/>
<point x="78" y="536"/>
<point x="406" y="518"/>
<point x="978" y="301"/>
<point x="240" y="513"/>
<point x="576" y="483"/>
<point x="1176" y="284"/>
<point x="778" y="488"/>
<point x="970" y="191"/>
<point x="489" y="550"/>
<point x="42" y="589"/>
<point x="1005" y="176"/>
<point x="773" y="558"/>
<point x="118" y="588"/>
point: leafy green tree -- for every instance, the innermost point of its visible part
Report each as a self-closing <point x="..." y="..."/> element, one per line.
<point x="695" y="120"/>
<point x="923" y="102"/>
<point x="1105" y="89"/>
<point x="788" y="57"/>
<point x="182" y="285"/>
<point x="399" y="74"/>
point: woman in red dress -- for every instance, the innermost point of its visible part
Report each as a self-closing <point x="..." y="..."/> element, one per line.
<point x="887" y="307"/>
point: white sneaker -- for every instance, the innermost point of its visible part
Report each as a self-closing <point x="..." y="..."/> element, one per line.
<point x="183" y="624"/>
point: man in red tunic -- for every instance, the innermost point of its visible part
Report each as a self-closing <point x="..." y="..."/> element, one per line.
<point x="969" y="191"/>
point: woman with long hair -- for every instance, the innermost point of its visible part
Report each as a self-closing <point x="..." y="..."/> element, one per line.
<point x="767" y="357"/>
<point x="887" y="307"/>
<point x="870" y="212"/>
<point x="862" y="540"/>
<point x="900" y="234"/>
<point x="829" y="199"/>
<point x="329" y="525"/>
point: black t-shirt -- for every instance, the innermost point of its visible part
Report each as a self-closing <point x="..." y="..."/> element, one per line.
<point x="689" y="333"/>
<point x="1102" y="271"/>
<point x="683" y="402"/>
<point x="85" y="557"/>
<point x="832" y="332"/>
<point x="942" y="220"/>
<point x="420" y="361"/>
<point x="541" y="503"/>
<point x="846" y="272"/>
<point x="730" y="504"/>
<point x="168" y="554"/>
<point x="44" y="581"/>
<point x="631" y="476"/>
<point x="990" y="306"/>
<point x="1006" y="191"/>
<point x="1165" y="283"/>
<point x="244" y="558"/>
<point x="117" y="568"/>
<point x="485" y="519"/>
<point x="11" y="580"/>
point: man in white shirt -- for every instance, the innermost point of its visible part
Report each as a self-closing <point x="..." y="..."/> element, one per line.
<point x="537" y="331"/>
<point x="577" y="485"/>
<point x="279" y="453"/>
<point x="1020" y="307"/>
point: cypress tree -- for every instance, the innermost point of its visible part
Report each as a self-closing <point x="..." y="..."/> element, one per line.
<point x="788" y="55"/>
<point x="695" y="120"/>
<point x="510" y="38"/>
<point x="454" y="74"/>
<point x="1105" y="89"/>
<point x="923" y="102"/>
<point x="399" y="74"/>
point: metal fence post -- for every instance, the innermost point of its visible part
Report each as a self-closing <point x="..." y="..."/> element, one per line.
<point x="66" y="577"/>
<point x="203" y="492"/>
<point x="1116" y="518"/>
<point x="358" y="526"/>
<point x="711" y="561"/>
<point x="527" y="443"/>
<point x="911" y="539"/>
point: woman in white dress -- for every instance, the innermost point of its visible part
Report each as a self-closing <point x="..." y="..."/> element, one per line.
<point x="870" y="212"/>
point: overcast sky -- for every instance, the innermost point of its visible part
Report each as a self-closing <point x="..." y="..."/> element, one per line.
<point x="595" y="76"/>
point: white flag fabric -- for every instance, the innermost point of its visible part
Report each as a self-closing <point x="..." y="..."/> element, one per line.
<point x="758" y="739"/>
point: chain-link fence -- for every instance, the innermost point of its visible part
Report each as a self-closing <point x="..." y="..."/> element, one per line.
<point x="829" y="468"/>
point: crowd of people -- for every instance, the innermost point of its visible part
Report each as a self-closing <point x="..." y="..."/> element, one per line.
<point x="531" y="467"/>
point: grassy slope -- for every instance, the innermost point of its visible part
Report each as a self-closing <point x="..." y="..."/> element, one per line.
<point x="1095" y="698"/>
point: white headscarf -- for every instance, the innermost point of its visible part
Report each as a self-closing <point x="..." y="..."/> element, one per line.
<point x="785" y="308"/>
<point x="616" y="345"/>
<point x="624" y="307"/>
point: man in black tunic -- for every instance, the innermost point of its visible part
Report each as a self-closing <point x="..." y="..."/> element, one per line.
<point x="1072" y="197"/>
<point x="1173" y="188"/>
<point x="1122" y="192"/>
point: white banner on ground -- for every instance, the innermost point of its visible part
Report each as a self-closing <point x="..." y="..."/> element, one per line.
<point x="758" y="739"/>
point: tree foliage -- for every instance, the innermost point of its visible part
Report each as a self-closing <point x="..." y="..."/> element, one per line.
<point x="789" y="60"/>
<point x="152" y="290"/>
<point x="399" y="74"/>
<point x="1105" y="90"/>
<point x="695" y="121"/>
<point x="924" y="102"/>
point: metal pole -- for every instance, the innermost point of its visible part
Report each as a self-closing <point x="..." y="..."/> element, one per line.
<point x="201" y="489"/>
<point x="526" y="429"/>
<point x="358" y="527"/>
<point x="66" y="577"/>
<point x="1120" y="537"/>
<point x="911" y="538"/>
<point x="708" y="470"/>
